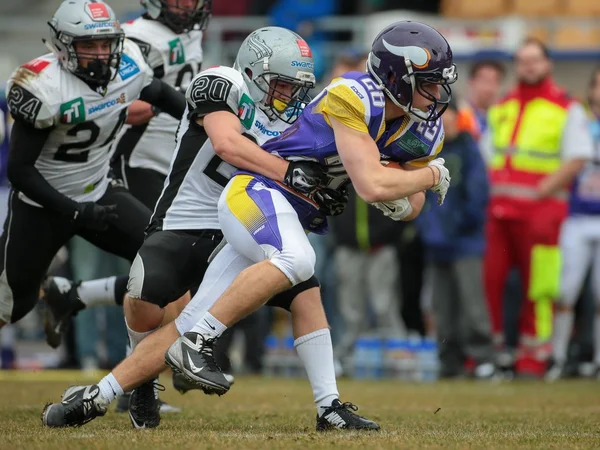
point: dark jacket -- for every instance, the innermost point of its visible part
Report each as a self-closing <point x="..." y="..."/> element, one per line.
<point x="362" y="226"/>
<point x="456" y="229"/>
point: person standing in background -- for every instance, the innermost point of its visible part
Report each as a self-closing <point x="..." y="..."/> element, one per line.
<point x="580" y="247"/>
<point x="454" y="240"/>
<point x="538" y="138"/>
<point x="485" y="81"/>
<point x="366" y="263"/>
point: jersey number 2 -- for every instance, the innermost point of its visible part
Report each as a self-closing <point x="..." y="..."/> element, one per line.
<point x="64" y="152"/>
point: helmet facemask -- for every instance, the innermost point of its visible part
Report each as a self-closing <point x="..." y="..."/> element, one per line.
<point x="279" y="101"/>
<point x="187" y="19"/>
<point x="99" y="70"/>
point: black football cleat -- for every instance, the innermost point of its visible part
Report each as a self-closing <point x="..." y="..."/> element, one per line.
<point x="79" y="405"/>
<point x="341" y="416"/>
<point x="62" y="303"/>
<point x="192" y="355"/>
<point x="144" y="409"/>
<point x="182" y="385"/>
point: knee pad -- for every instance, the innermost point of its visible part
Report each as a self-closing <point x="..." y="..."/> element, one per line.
<point x="136" y="278"/>
<point x="284" y="299"/>
<point x="16" y="302"/>
<point x="152" y="286"/>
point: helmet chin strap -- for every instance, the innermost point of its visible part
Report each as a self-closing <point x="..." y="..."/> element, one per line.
<point x="49" y="46"/>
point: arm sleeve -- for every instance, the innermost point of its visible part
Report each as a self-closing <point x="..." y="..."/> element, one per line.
<point x="26" y="144"/>
<point x="164" y="97"/>
<point x="577" y="141"/>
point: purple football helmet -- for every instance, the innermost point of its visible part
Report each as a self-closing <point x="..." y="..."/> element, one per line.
<point x="406" y="55"/>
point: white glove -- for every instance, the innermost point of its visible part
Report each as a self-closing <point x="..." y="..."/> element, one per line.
<point x="441" y="189"/>
<point x="395" y="209"/>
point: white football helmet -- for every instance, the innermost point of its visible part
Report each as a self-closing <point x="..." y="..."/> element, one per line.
<point x="271" y="55"/>
<point x="85" y="20"/>
<point x="192" y="15"/>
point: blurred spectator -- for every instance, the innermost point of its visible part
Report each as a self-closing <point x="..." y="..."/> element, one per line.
<point x="538" y="139"/>
<point x="485" y="81"/>
<point x="102" y="327"/>
<point x="238" y="8"/>
<point x="580" y="246"/>
<point x="323" y="244"/>
<point x="298" y="16"/>
<point x="367" y="266"/>
<point x="453" y="236"/>
<point x="411" y="275"/>
<point x="352" y="59"/>
<point x="426" y="6"/>
<point x="253" y="328"/>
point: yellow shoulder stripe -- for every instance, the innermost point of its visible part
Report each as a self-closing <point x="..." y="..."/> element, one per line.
<point x="342" y="103"/>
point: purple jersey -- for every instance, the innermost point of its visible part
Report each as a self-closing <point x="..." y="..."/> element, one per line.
<point x="355" y="100"/>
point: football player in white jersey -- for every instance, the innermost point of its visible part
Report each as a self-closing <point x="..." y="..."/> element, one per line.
<point x="170" y="36"/>
<point x="68" y="107"/>
<point x="227" y="110"/>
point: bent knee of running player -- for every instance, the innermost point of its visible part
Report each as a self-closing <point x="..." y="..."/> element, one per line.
<point x="261" y="224"/>
<point x="221" y="272"/>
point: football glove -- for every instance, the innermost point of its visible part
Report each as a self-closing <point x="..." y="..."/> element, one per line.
<point x="441" y="188"/>
<point x="331" y="202"/>
<point x="395" y="209"/>
<point x="95" y="217"/>
<point x="305" y="176"/>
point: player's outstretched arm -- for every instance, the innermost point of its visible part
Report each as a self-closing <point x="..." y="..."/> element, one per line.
<point x="225" y="132"/>
<point x="26" y="144"/>
<point x="374" y="182"/>
<point x="164" y="97"/>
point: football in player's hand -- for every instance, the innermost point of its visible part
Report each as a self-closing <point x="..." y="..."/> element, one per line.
<point x="391" y="164"/>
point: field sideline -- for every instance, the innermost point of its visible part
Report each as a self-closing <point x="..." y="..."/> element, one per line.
<point x="278" y="413"/>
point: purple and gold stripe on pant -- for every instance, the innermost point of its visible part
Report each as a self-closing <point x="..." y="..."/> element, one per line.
<point x="252" y="204"/>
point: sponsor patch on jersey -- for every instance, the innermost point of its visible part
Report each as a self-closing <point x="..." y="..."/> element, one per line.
<point x="246" y="111"/>
<point x="128" y="67"/>
<point x="264" y="130"/>
<point x="412" y="144"/>
<point x="176" y="52"/>
<point x="108" y="104"/>
<point x="36" y="65"/>
<point x="97" y="11"/>
<point x="73" y="111"/>
<point x="303" y="64"/>
<point x="304" y="48"/>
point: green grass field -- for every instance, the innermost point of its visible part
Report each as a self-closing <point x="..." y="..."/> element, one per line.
<point x="278" y="413"/>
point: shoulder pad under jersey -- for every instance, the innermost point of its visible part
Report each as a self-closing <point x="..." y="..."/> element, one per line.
<point x="216" y="85"/>
<point x="133" y="62"/>
<point x="33" y="94"/>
